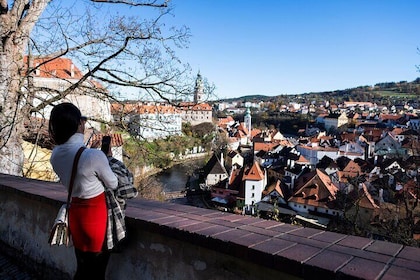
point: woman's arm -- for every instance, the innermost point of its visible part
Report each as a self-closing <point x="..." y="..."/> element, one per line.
<point x="103" y="170"/>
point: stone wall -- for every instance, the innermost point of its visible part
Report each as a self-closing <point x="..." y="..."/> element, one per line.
<point x="173" y="241"/>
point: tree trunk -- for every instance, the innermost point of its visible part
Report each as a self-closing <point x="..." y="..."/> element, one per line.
<point x="11" y="152"/>
<point x="16" y="23"/>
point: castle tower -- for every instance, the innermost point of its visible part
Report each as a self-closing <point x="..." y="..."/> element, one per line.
<point x="198" y="89"/>
<point x="247" y="121"/>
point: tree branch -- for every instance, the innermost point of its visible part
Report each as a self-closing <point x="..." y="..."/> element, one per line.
<point x="3" y="7"/>
<point x="151" y="3"/>
<point x="81" y="80"/>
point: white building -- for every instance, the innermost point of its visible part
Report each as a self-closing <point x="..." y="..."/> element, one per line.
<point x="315" y="153"/>
<point x="59" y="74"/>
<point x="157" y="121"/>
<point x="255" y="182"/>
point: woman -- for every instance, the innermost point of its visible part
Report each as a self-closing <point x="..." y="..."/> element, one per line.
<point x="88" y="210"/>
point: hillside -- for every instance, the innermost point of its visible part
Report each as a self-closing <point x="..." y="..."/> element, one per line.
<point x="380" y="92"/>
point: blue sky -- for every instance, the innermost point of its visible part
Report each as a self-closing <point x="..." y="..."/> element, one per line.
<point x="275" y="47"/>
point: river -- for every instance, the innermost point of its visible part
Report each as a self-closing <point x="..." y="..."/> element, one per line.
<point x="174" y="179"/>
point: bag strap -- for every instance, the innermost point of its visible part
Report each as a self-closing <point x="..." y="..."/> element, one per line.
<point x="73" y="174"/>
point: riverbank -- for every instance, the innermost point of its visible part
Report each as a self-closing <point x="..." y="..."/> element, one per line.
<point x="170" y="183"/>
<point x="192" y="157"/>
<point x="147" y="171"/>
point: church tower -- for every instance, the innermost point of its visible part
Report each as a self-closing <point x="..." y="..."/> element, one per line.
<point x="247" y="122"/>
<point x="198" y="89"/>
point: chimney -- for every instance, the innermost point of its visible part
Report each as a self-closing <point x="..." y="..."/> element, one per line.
<point x="37" y="72"/>
<point x="292" y="185"/>
<point x="381" y="196"/>
<point x="72" y="70"/>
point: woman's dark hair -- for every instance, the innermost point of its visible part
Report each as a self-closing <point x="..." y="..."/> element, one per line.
<point x="64" y="122"/>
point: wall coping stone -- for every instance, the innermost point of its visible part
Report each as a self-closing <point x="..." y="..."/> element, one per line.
<point x="299" y="251"/>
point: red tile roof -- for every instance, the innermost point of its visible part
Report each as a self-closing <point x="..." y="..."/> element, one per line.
<point x="315" y="189"/>
<point x="195" y="106"/>
<point x="302" y="160"/>
<point x="222" y="122"/>
<point x="397" y="131"/>
<point x="384" y="117"/>
<point x="116" y="139"/>
<point x="61" y="68"/>
<point x="142" y="109"/>
<point x="254" y="173"/>
<point x="243" y="128"/>
<point x="261" y="146"/>
<point x="274" y="187"/>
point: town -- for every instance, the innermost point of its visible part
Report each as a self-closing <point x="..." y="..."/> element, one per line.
<point x="353" y="169"/>
<point x="170" y="139"/>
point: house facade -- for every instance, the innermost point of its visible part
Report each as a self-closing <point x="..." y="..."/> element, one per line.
<point x="390" y="146"/>
<point x="335" y="121"/>
<point x="155" y="122"/>
<point x="198" y="111"/>
<point x="314" y="153"/>
<point x="194" y="113"/>
<point x="56" y="75"/>
<point x="254" y="184"/>
<point x="314" y="193"/>
<point x="234" y="158"/>
<point x="214" y="171"/>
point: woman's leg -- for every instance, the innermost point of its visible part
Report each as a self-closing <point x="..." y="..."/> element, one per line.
<point x="91" y="266"/>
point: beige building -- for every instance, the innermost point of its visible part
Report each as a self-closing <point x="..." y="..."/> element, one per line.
<point x="198" y="111"/>
<point x="335" y="121"/>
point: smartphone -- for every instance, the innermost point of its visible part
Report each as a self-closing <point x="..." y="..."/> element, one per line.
<point x="106" y="143"/>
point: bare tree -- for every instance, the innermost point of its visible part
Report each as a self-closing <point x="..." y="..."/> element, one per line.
<point x="133" y="50"/>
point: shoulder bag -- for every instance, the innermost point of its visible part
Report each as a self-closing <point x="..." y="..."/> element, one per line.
<point x="60" y="233"/>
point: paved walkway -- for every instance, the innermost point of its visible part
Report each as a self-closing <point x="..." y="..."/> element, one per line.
<point x="10" y="269"/>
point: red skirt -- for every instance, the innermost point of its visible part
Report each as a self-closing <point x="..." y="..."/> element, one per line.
<point x="88" y="220"/>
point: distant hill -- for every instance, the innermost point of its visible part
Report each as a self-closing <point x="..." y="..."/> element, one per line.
<point x="409" y="91"/>
<point x="248" y="98"/>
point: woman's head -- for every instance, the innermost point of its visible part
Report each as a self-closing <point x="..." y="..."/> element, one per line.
<point x="65" y="120"/>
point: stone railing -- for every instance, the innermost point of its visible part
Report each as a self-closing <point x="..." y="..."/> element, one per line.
<point x="173" y="241"/>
